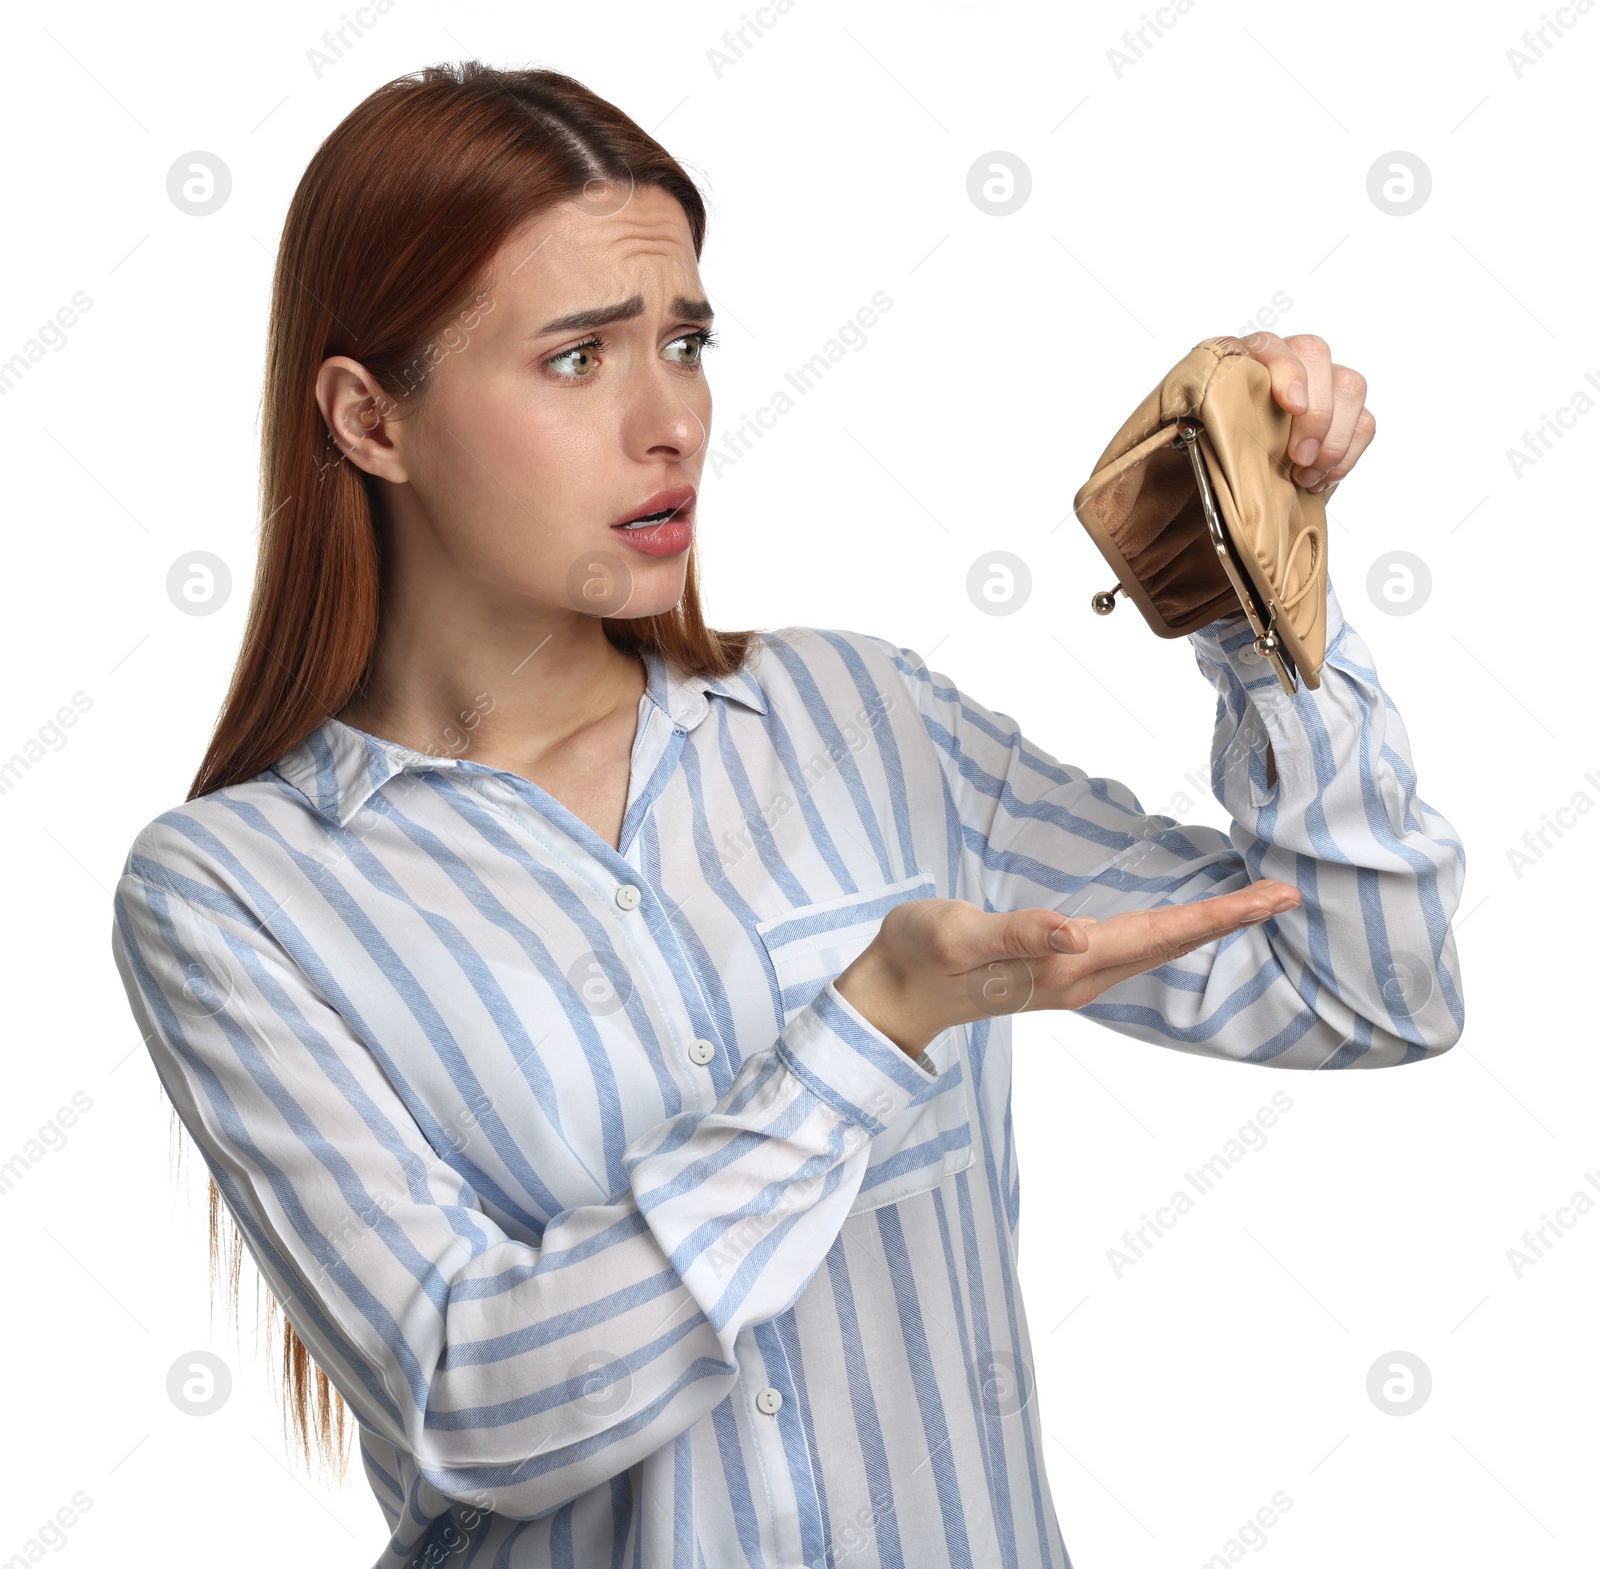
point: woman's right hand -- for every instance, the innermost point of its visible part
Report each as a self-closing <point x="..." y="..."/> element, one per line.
<point x="936" y="963"/>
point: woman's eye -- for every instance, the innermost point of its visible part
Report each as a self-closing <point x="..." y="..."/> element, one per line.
<point x="578" y="362"/>
<point x="700" y="340"/>
<point x="582" y="351"/>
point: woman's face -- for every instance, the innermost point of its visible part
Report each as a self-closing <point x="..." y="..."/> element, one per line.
<point x="569" y="398"/>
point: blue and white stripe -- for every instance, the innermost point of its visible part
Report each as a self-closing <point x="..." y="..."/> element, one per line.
<point x="628" y="1240"/>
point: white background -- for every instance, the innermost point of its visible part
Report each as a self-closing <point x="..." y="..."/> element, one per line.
<point x="1168" y="203"/>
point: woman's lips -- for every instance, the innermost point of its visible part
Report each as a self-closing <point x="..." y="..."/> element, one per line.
<point x="675" y="498"/>
<point x="667" y="538"/>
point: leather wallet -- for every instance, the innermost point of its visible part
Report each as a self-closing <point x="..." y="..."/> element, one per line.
<point x="1195" y="507"/>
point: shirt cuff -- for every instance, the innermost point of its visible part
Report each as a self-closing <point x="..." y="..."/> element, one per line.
<point x="1229" y="640"/>
<point x="851" y="1064"/>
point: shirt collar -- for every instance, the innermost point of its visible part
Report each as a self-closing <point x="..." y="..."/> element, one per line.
<point x="338" y="768"/>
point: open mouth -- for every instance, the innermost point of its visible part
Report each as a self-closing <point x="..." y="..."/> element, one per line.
<point x="665" y="527"/>
<point x="650" y="519"/>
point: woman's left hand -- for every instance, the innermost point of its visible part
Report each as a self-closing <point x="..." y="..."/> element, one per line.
<point x="1332" y="424"/>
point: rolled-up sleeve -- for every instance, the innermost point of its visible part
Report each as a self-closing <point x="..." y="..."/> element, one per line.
<point x="1363" y="973"/>
<point x="528" y="1371"/>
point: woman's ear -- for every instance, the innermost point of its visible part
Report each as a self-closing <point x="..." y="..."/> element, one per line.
<point x="360" y="416"/>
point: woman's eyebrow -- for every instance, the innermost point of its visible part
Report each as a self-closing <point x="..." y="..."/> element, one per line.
<point x="604" y="315"/>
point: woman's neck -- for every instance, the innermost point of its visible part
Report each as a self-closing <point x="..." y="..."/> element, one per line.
<point x="501" y="692"/>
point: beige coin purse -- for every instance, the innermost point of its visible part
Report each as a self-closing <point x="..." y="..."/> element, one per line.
<point x="1196" y="509"/>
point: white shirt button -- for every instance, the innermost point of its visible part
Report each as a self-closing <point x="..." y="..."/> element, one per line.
<point x="768" y="1401"/>
<point x="628" y="896"/>
<point x="701" y="1052"/>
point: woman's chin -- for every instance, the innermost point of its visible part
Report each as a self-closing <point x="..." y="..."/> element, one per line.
<point x="653" y="592"/>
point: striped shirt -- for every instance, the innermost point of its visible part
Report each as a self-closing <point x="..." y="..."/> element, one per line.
<point x="627" y="1239"/>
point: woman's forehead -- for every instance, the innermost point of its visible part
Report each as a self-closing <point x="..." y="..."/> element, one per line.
<point x="645" y="221"/>
<point x="570" y="260"/>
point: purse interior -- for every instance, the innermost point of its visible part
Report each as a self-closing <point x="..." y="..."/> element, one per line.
<point x="1151" y="513"/>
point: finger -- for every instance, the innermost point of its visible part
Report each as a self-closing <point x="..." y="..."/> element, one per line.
<point x="1075" y="991"/>
<point x="1034" y="934"/>
<point x="1307" y="430"/>
<point x="1349" y="398"/>
<point x="962" y="937"/>
<point x="1086" y="988"/>
<point x="1136" y="936"/>
<point x="1288" y="374"/>
<point x="959" y="939"/>
<point x="1366" y="428"/>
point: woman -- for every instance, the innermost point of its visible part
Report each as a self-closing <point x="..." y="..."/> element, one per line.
<point x="598" y="1025"/>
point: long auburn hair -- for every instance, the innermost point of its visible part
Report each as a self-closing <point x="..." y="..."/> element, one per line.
<point x="387" y="240"/>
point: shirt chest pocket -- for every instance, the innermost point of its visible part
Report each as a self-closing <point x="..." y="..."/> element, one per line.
<point x="812" y="944"/>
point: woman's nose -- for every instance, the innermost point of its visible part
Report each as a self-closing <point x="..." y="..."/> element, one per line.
<point x="662" y="418"/>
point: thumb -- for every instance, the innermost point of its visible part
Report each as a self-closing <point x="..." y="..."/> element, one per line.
<point x="1047" y="931"/>
<point x="1068" y="938"/>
